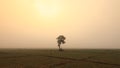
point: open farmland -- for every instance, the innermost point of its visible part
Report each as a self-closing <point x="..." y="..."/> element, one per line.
<point x="51" y="58"/>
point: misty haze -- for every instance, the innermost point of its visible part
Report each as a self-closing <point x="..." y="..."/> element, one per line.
<point x="37" y="23"/>
<point x="59" y="33"/>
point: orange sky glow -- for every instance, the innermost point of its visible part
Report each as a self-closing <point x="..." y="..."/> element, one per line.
<point x="37" y="23"/>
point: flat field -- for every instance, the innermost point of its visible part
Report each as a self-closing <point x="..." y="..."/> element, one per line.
<point x="51" y="58"/>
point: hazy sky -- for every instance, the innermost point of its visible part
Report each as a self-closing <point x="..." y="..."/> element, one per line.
<point x="37" y="23"/>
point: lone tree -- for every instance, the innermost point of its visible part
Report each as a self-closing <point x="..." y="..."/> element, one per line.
<point x="60" y="40"/>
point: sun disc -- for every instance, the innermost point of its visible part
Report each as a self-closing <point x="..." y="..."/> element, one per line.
<point x="48" y="9"/>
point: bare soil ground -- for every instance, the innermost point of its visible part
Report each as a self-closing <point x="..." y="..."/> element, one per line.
<point x="51" y="58"/>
